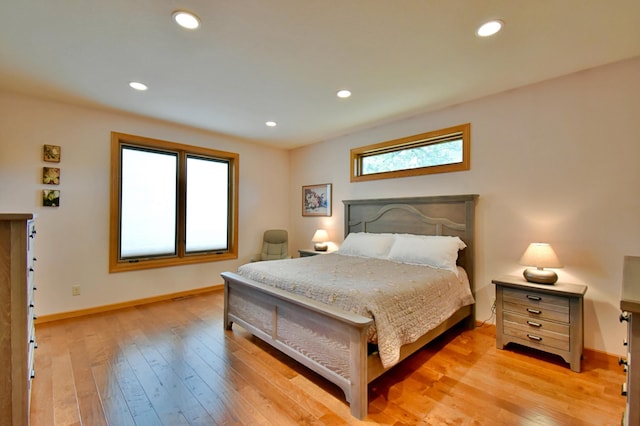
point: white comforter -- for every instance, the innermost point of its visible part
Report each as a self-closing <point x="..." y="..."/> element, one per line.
<point x="405" y="301"/>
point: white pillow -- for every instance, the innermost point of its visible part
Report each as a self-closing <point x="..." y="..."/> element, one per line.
<point x="435" y="251"/>
<point x="366" y="244"/>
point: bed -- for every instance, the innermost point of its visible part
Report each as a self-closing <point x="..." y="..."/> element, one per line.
<point x="332" y="341"/>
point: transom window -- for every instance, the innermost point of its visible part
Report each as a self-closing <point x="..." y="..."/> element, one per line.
<point x="171" y="204"/>
<point x="440" y="151"/>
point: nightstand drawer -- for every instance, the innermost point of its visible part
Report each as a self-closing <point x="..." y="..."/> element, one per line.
<point x="537" y="327"/>
<point x="537" y="337"/>
<point x="536" y="305"/>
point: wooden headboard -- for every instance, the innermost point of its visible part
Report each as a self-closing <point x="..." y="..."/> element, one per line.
<point x="441" y="215"/>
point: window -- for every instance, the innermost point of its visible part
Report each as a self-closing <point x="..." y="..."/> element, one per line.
<point x="171" y="204"/>
<point x="440" y="151"/>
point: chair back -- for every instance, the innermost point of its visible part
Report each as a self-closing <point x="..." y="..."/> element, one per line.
<point x="275" y="244"/>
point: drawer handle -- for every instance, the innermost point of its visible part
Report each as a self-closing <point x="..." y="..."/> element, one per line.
<point x="534" y="324"/>
<point x="624" y="390"/>
<point x="33" y="374"/>
<point x="534" y="311"/>
<point x="536" y="298"/>
<point x="536" y="338"/>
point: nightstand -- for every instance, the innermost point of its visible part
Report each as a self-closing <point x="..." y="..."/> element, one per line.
<point x="549" y="318"/>
<point x="311" y="252"/>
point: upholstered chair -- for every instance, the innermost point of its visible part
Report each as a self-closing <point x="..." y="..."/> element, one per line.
<point x="275" y="245"/>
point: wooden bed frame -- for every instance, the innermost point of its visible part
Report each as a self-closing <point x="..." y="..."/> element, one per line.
<point x="330" y="341"/>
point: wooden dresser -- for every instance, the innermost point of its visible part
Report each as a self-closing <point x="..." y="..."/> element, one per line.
<point x="630" y="306"/>
<point x="541" y="316"/>
<point x="17" y="338"/>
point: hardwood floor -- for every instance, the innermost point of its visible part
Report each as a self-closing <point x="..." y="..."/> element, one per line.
<point x="172" y="363"/>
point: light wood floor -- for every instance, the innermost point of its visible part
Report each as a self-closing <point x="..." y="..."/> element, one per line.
<point x="172" y="363"/>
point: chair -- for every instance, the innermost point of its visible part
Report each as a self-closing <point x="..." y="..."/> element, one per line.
<point x="274" y="246"/>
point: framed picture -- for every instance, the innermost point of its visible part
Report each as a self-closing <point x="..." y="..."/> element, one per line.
<point x="316" y="200"/>
<point x="51" y="153"/>
<point x="50" y="197"/>
<point x="51" y="175"/>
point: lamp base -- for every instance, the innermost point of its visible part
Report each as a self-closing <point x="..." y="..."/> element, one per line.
<point x="320" y="246"/>
<point x="540" y="276"/>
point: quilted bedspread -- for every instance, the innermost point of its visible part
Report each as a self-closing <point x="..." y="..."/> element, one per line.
<point x="405" y="301"/>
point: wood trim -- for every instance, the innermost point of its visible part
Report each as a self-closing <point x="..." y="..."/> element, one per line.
<point x="116" y="265"/>
<point x="356" y="156"/>
<point x="115" y="306"/>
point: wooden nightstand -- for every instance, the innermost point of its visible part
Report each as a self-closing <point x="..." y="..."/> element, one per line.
<point x="545" y="317"/>
<point x="311" y="252"/>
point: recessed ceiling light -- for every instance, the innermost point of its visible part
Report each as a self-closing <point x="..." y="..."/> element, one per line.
<point x="138" y="86"/>
<point x="489" y="28"/>
<point x="186" y="19"/>
<point x="343" y="93"/>
<point x="271" y="123"/>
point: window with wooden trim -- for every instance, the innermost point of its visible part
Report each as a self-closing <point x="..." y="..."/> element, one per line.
<point x="171" y="204"/>
<point x="440" y="151"/>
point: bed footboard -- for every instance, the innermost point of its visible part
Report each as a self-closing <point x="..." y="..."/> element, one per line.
<point x="329" y="341"/>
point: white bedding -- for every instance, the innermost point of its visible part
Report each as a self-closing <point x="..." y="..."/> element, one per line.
<point x="405" y="301"/>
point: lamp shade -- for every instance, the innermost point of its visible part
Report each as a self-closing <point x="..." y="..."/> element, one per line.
<point x="540" y="255"/>
<point x="320" y="239"/>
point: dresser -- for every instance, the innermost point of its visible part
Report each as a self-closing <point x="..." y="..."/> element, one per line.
<point x="17" y="337"/>
<point x="546" y="317"/>
<point x="630" y="306"/>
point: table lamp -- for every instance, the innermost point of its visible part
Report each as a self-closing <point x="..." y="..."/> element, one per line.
<point x="320" y="239"/>
<point x="540" y="255"/>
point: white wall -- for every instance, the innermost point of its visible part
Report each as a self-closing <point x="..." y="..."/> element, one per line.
<point x="555" y="162"/>
<point x="72" y="241"/>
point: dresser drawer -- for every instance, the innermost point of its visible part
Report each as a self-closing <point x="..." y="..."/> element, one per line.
<point x="546" y="333"/>
<point x="536" y="305"/>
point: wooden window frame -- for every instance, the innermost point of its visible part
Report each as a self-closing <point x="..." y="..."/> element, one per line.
<point x="428" y="138"/>
<point x="181" y="258"/>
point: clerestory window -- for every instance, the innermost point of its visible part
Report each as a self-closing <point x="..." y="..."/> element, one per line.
<point x="440" y="151"/>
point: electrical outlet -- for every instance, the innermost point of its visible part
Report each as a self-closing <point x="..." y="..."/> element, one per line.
<point x="75" y="290"/>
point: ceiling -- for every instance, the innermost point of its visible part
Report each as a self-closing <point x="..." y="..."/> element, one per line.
<point x="253" y="61"/>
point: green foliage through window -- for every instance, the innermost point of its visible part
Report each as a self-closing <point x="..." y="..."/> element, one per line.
<point x="440" y="151"/>
<point x="413" y="158"/>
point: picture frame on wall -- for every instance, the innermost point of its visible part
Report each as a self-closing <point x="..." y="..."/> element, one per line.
<point x="316" y="200"/>
<point x="51" y="153"/>
<point x="51" y="175"/>
<point x="51" y="198"/>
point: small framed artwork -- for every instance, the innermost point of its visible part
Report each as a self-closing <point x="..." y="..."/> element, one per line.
<point x="51" y="175"/>
<point x="316" y="200"/>
<point x="51" y="198"/>
<point x="51" y="153"/>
